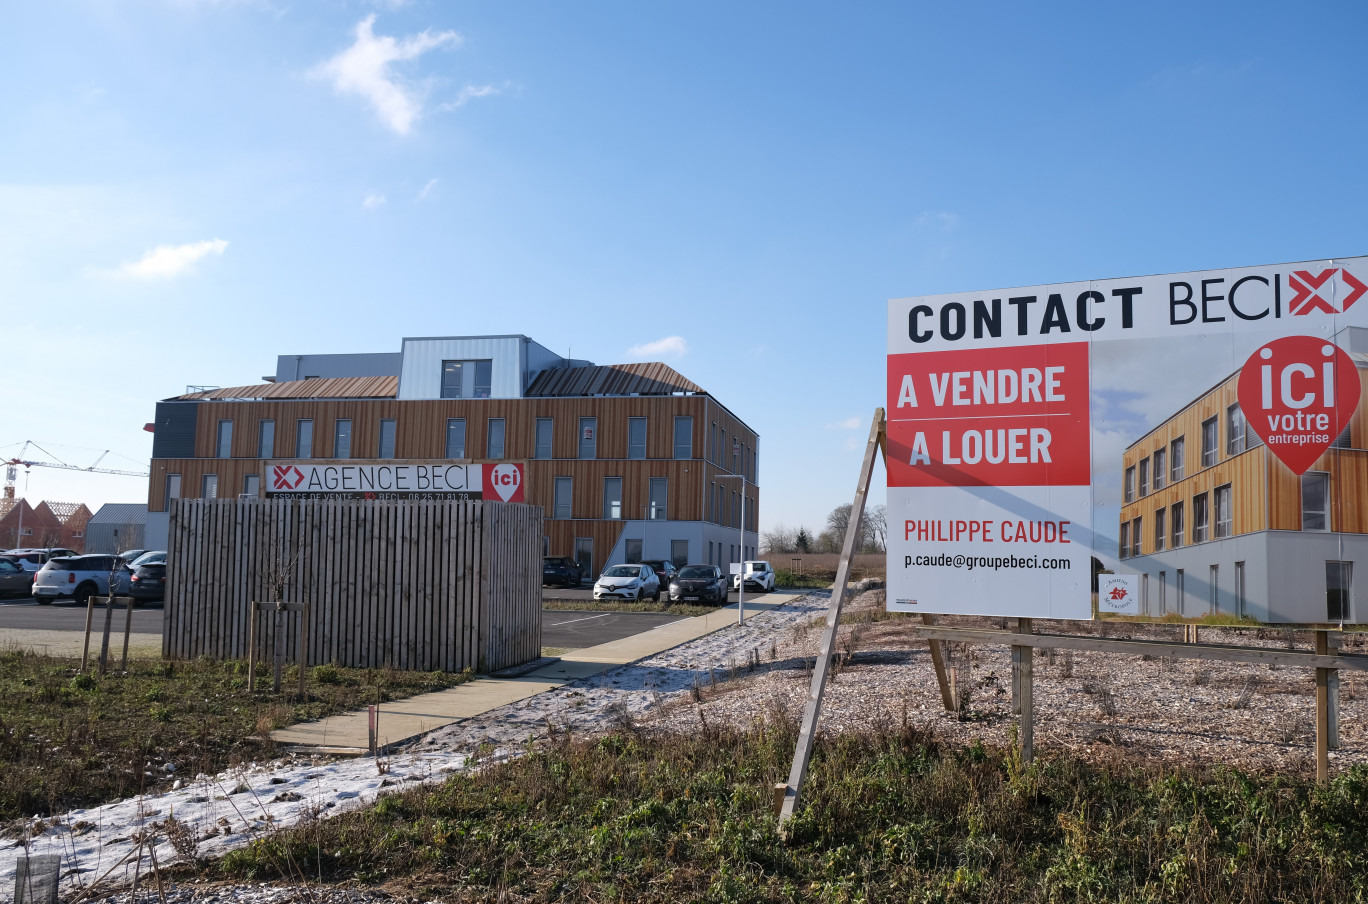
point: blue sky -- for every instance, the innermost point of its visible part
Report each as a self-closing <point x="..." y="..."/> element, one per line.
<point x="189" y="188"/>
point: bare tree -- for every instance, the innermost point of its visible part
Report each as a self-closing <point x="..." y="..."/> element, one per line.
<point x="876" y="527"/>
<point x="778" y="539"/>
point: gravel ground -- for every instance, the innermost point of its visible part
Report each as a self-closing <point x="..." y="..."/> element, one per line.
<point x="1096" y="705"/>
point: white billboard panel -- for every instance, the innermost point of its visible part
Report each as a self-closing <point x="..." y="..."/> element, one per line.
<point x="1170" y="430"/>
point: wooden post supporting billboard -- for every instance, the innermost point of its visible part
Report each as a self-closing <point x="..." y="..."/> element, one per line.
<point x="813" y="708"/>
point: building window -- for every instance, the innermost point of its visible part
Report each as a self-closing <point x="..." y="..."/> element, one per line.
<point x="612" y="498"/>
<point x="304" y="439"/>
<point x="1176" y="460"/>
<point x="1176" y="525"/>
<point x="494" y="447"/>
<point x="633" y="551"/>
<point x="564" y="497"/>
<point x="1235" y="430"/>
<point x="1135" y="537"/>
<point x="266" y="439"/>
<point x="1199" y="518"/>
<point x="636" y="437"/>
<point x="1125" y="540"/>
<point x="1339" y="583"/>
<point x="683" y="437"/>
<point x="467" y="379"/>
<point x="173" y="482"/>
<point x="1223" y="518"/>
<point x="1160" y="468"/>
<point x="1240" y="590"/>
<point x="342" y="438"/>
<point x="1315" y="504"/>
<point x="546" y="429"/>
<point x="225" y="439"/>
<point x="456" y="437"/>
<point x="1160" y="530"/>
<point x="251" y="486"/>
<point x="679" y="553"/>
<point x="660" y="493"/>
<point x="209" y="486"/>
<point x="1179" y="592"/>
<point x="1209" y="442"/>
<point x="1144" y="477"/>
<point x="1214" y="602"/>
<point x="1342" y="441"/>
<point x="387" y="431"/>
<point x="588" y="437"/>
<point x="1130" y="484"/>
<point x="1163" y="593"/>
<point x="712" y="444"/>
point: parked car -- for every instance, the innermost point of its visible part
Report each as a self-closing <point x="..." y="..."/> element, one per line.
<point x="627" y="582"/>
<point x="148" y="580"/>
<point x="758" y="575"/>
<point x="664" y="569"/>
<point x="131" y="555"/>
<point x="34" y="559"/>
<point x="699" y="582"/>
<point x="14" y="579"/>
<point x="561" y="571"/>
<point x="79" y="578"/>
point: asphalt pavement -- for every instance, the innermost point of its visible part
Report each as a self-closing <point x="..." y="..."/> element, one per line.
<point x="24" y="614"/>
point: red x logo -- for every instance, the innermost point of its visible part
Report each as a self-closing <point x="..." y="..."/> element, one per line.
<point x="1308" y="286"/>
<point x="286" y="477"/>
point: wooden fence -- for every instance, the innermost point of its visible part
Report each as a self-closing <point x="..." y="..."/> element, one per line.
<point x="408" y="584"/>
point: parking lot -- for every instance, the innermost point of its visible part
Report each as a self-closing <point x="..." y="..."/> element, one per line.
<point x="24" y="614"/>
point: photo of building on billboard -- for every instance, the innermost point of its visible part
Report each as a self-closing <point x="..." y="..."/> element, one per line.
<point x="1196" y="437"/>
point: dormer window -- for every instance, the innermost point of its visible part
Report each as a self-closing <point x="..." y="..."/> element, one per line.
<point x="467" y="379"/>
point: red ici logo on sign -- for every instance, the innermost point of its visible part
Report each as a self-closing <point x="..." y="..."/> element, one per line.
<point x="286" y="477"/>
<point x="1308" y="285"/>
<point x="506" y="480"/>
<point x="1298" y="393"/>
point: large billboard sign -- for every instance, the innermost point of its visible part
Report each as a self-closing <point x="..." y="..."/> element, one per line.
<point x="1193" y="436"/>
<point x="502" y="481"/>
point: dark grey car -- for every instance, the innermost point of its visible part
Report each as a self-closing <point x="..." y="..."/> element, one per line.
<point x="14" y="580"/>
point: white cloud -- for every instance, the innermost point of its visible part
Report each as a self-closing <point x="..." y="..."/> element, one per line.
<point x="166" y="261"/>
<point x="938" y="219"/>
<point x="669" y="347"/>
<point x="469" y="93"/>
<point x="427" y="189"/>
<point x="373" y="201"/>
<point x="364" y="69"/>
<point x="850" y="423"/>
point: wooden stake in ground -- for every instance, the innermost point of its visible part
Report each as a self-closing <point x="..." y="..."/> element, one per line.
<point x="1023" y="669"/>
<point x="813" y="709"/>
<point x="1322" y="711"/>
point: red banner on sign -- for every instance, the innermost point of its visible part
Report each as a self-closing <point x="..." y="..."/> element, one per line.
<point x="1014" y="416"/>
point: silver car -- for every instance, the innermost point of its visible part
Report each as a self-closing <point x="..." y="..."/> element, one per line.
<point x="79" y="578"/>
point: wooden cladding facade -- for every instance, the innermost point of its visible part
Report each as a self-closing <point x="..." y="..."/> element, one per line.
<point x="703" y="486"/>
<point x="412" y="585"/>
<point x="1264" y="493"/>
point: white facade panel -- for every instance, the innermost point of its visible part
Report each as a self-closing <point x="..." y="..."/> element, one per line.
<point x="421" y="375"/>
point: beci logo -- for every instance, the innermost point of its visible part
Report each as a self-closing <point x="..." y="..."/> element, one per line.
<point x="506" y="480"/>
<point x="1308" y="287"/>
<point x="286" y="477"/>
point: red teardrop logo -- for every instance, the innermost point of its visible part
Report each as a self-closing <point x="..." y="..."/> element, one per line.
<point x="1298" y="393"/>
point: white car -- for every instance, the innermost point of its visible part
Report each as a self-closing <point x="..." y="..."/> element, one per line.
<point x="758" y="574"/>
<point x="627" y="582"/>
<point x="79" y="578"/>
<point x="33" y="559"/>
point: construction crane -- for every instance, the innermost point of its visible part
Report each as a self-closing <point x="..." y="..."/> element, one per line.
<point x="12" y="466"/>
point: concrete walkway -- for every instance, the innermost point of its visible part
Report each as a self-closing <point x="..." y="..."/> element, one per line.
<point x="403" y="720"/>
<point x="70" y="643"/>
